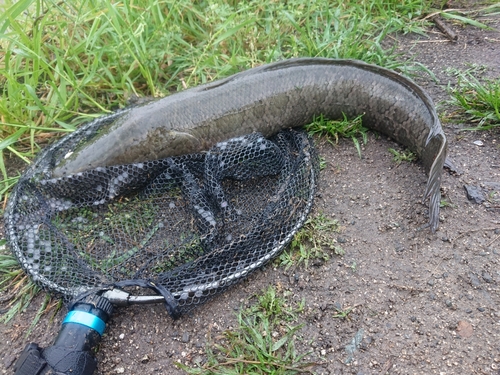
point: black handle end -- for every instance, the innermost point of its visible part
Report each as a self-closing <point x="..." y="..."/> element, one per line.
<point x="72" y="352"/>
<point x="30" y="362"/>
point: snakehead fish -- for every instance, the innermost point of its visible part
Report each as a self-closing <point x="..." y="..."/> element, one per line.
<point x="266" y="99"/>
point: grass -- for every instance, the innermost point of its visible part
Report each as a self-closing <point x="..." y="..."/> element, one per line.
<point x="18" y="292"/>
<point x="401" y="156"/>
<point x="342" y="313"/>
<point x="314" y="241"/>
<point x="346" y="128"/>
<point x="262" y="343"/>
<point x="478" y="98"/>
<point x="17" y="289"/>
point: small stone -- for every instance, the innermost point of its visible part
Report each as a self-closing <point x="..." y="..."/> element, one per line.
<point x="487" y="277"/>
<point x="474" y="193"/>
<point x="478" y="143"/>
<point x="474" y="280"/>
<point x="413" y="318"/>
<point x="399" y="247"/>
<point x="119" y="370"/>
<point x="430" y="282"/>
<point x="185" y="337"/>
<point x="449" y="303"/>
<point x="480" y="309"/>
<point x="122" y="336"/>
<point x="145" y="359"/>
<point x="198" y="360"/>
<point x="9" y="360"/>
<point x="341" y="240"/>
<point x="468" y="311"/>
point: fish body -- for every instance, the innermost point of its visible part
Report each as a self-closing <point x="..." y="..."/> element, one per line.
<point x="266" y="99"/>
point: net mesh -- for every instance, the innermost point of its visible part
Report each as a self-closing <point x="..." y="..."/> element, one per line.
<point x="193" y="224"/>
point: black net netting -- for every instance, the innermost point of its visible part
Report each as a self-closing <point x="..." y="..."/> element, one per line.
<point x="190" y="225"/>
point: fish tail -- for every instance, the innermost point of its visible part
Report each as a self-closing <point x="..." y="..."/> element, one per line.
<point x="432" y="190"/>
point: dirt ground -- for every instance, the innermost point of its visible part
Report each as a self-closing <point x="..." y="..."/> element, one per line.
<point x="422" y="303"/>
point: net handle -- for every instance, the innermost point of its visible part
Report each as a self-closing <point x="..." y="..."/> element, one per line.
<point x="119" y="297"/>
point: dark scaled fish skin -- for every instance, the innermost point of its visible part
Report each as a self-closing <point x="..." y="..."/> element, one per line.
<point x="267" y="99"/>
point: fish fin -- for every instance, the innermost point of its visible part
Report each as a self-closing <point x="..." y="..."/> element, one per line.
<point x="452" y="167"/>
<point x="432" y="190"/>
<point x="188" y="141"/>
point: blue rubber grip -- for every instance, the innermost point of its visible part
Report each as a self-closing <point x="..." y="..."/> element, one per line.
<point x="86" y="319"/>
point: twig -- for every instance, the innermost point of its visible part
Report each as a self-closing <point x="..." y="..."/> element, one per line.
<point x="7" y="297"/>
<point x="493" y="240"/>
<point x="432" y="41"/>
<point x="472" y="231"/>
<point x="386" y="367"/>
<point x="435" y="269"/>
<point x="445" y="29"/>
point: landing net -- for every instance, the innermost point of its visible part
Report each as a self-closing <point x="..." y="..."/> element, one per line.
<point x="187" y="227"/>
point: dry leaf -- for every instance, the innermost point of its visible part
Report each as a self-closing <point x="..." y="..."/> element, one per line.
<point x="464" y="329"/>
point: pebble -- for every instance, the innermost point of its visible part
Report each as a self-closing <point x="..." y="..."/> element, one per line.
<point x="474" y="193"/>
<point x="431" y="282"/>
<point x="185" y="337"/>
<point x="9" y="360"/>
<point x="480" y="309"/>
<point x="198" y="360"/>
<point x="474" y="279"/>
<point x="449" y="303"/>
<point x="487" y="277"/>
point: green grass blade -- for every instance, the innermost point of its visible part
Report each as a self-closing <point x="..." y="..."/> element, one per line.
<point x="10" y="14"/>
<point x="465" y="20"/>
